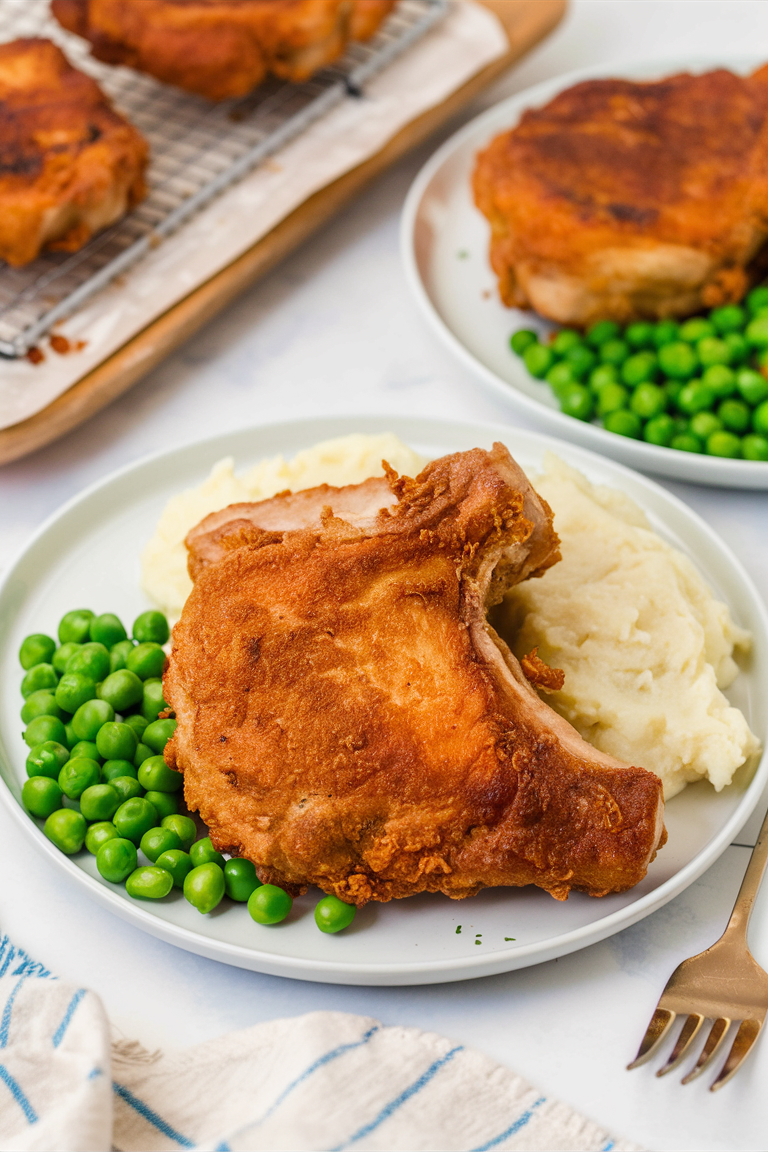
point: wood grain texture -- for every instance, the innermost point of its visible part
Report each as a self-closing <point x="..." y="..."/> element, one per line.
<point x="526" y="22"/>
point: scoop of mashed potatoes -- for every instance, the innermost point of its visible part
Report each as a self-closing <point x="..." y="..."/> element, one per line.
<point x="346" y="460"/>
<point x="645" y="646"/>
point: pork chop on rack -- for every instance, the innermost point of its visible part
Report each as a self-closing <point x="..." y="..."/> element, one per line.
<point x="348" y="718"/>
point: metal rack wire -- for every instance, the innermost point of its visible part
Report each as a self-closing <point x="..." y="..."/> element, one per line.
<point x="198" y="149"/>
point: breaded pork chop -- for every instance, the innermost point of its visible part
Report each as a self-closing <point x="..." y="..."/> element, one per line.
<point x="69" y="164"/>
<point x="348" y="718"/>
<point x="620" y="200"/>
<point x="221" y="48"/>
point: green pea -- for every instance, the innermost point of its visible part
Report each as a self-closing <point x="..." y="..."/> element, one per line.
<point x="41" y="703"/>
<point x="756" y="332"/>
<point x="152" y="626"/>
<point x="92" y="660"/>
<point x="724" y="444"/>
<point x="77" y="775"/>
<point x="703" y="424"/>
<point x="735" y="415"/>
<point x="166" y="803"/>
<point x="204" y="886"/>
<point x="47" y="759"/>
<point x="139" y="724"/>
<point x="71" y="738"/>
<point x="721" y="379"/>
<point x="89" y="718"/>
<point x="333" y="915"/>
<point x="99" y="834"/>
<point x="611" y="398"/>
<point x="686" y="442"/>
<point x="134" y="817"/>
<point x="757" y="298"/>
<point x="581" y="360"/>
<point x="695" y="329"/>
<point x="641" y="334"/>
<point x="602" y="375"/>
<point x="561" y="377"/>
<point x="85" y="748"/>
<point x="240" y="880"/>
<point x="659" y="430"/>
<point x="41" y="796"/>
<point x="602" y="332"/>
<point x="729" y="318"/>
<point x="143" y="752"/>
<point x="36" y="649"/>
<point x="146" y="660"/>
<point x="118" y="654"/>
<point x="203" y="852"/>
<point x="149" y="883"/>
<point x="648" y="400"/>
<point x="738" y="347"/>
<point x="638" y="368"/>
<point x="100" y="802"/>
<point x="44" y="728"/>
<point x="695" y="397"/>
<point x="538" y="360"/>
<point x="752" y="385"/>
<point x="760" y="419"/>
<point x="614" y="352"/>
<point x="156" y="775"/>
<point x="107" y="629"/>
<point x="116" y="859"/>
<point x="74" y="690"/>
<point x="177" y="863"/>
<point x="711" y="350"/>
<point x="117" y="741"/>
<point x="269" y="904"/>
<point x="66" y="829"/>
<point x="672" y="389"/>
<point x="666" y="332"/>
<point x="158" y="733"/>
<point x="518" y="342"/>
<point x="678" y="360"/>
<point x="111" y="769"/>
<point x="755" y="447"/>
<point x="38" y="678"/>
<point x="577" y="402"/>
<point x="564" y="340"/>
<point x="158" y="840"/>
<point x="122" y="689"/>
<point x="153" y="703"/>
<point x="74" y="626"/>
<point x="61" y="656"/>
<point x="184" y="827"/>
<point x="126" y="787"/>
<point x="624" y="423"/>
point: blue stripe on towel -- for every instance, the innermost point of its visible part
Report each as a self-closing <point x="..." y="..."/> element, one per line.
<point x="151" y="1116"/>
<point x="389" y="1109"/>
<point x="8" y="954"/>
<point x="513" y="1128"/>
<point x="58" y="1035"/>
<point x="18" y="1095"/>
<point x="607" y="1146"/>
<point x="5" y="1020"/>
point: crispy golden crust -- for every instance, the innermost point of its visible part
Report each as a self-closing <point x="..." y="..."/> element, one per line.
<point x="221" y="48"/>
<point x="620" y="199"/>
<point x="347" y="718"/>
<point x="69" y="164"/>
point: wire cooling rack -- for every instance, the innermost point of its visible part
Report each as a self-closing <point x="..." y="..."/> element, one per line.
<point x="197" y="150"/>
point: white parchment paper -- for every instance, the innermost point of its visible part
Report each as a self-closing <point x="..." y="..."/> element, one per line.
<point x="469" y="38"/>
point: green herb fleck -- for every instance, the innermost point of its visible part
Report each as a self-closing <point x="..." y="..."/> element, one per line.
<point x="458" y="929"/>
<point x="509" y="938"/>
<point x="462" y="254"/>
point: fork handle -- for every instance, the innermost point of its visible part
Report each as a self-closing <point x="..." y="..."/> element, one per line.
<point x="737" y="925"/>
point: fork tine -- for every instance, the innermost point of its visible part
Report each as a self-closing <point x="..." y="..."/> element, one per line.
<point x="657" y="1030"/>
<point x="748" y="1032"/>
<point x="710" y="1049"/>
<point x="683" y="1043"/>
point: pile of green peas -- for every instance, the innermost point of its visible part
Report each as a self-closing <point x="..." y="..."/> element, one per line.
<point x="697" y="386"/>
<point x="97" y="777"/>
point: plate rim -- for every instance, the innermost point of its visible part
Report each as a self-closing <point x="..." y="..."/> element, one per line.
<point x="745" y="474"/>
<point x="412" y="972"/>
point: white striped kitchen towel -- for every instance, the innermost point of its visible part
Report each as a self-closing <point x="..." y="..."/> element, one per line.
<point x="324" y="1081"/>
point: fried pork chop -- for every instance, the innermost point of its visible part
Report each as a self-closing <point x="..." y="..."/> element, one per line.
<point x="621" y="200"/>
<point x="348" y="718"/>
<point x="69" y="164"/>
<point x="221" y="48"/>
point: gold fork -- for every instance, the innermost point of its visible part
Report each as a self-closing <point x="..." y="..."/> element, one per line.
<point x="724" y="984"/>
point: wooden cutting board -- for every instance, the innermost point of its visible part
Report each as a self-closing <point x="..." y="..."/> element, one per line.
<point x="526" y="22"/>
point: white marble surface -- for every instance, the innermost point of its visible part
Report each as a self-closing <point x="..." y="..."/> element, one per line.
<point x="332" y="330"/>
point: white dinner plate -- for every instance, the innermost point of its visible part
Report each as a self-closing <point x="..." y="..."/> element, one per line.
<point x="444" y="244"/>
<point x="87" y="554"/>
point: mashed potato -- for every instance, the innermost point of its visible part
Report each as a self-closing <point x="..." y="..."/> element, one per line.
<point x="644" y="645"/>
<point x="347" y="460"/>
